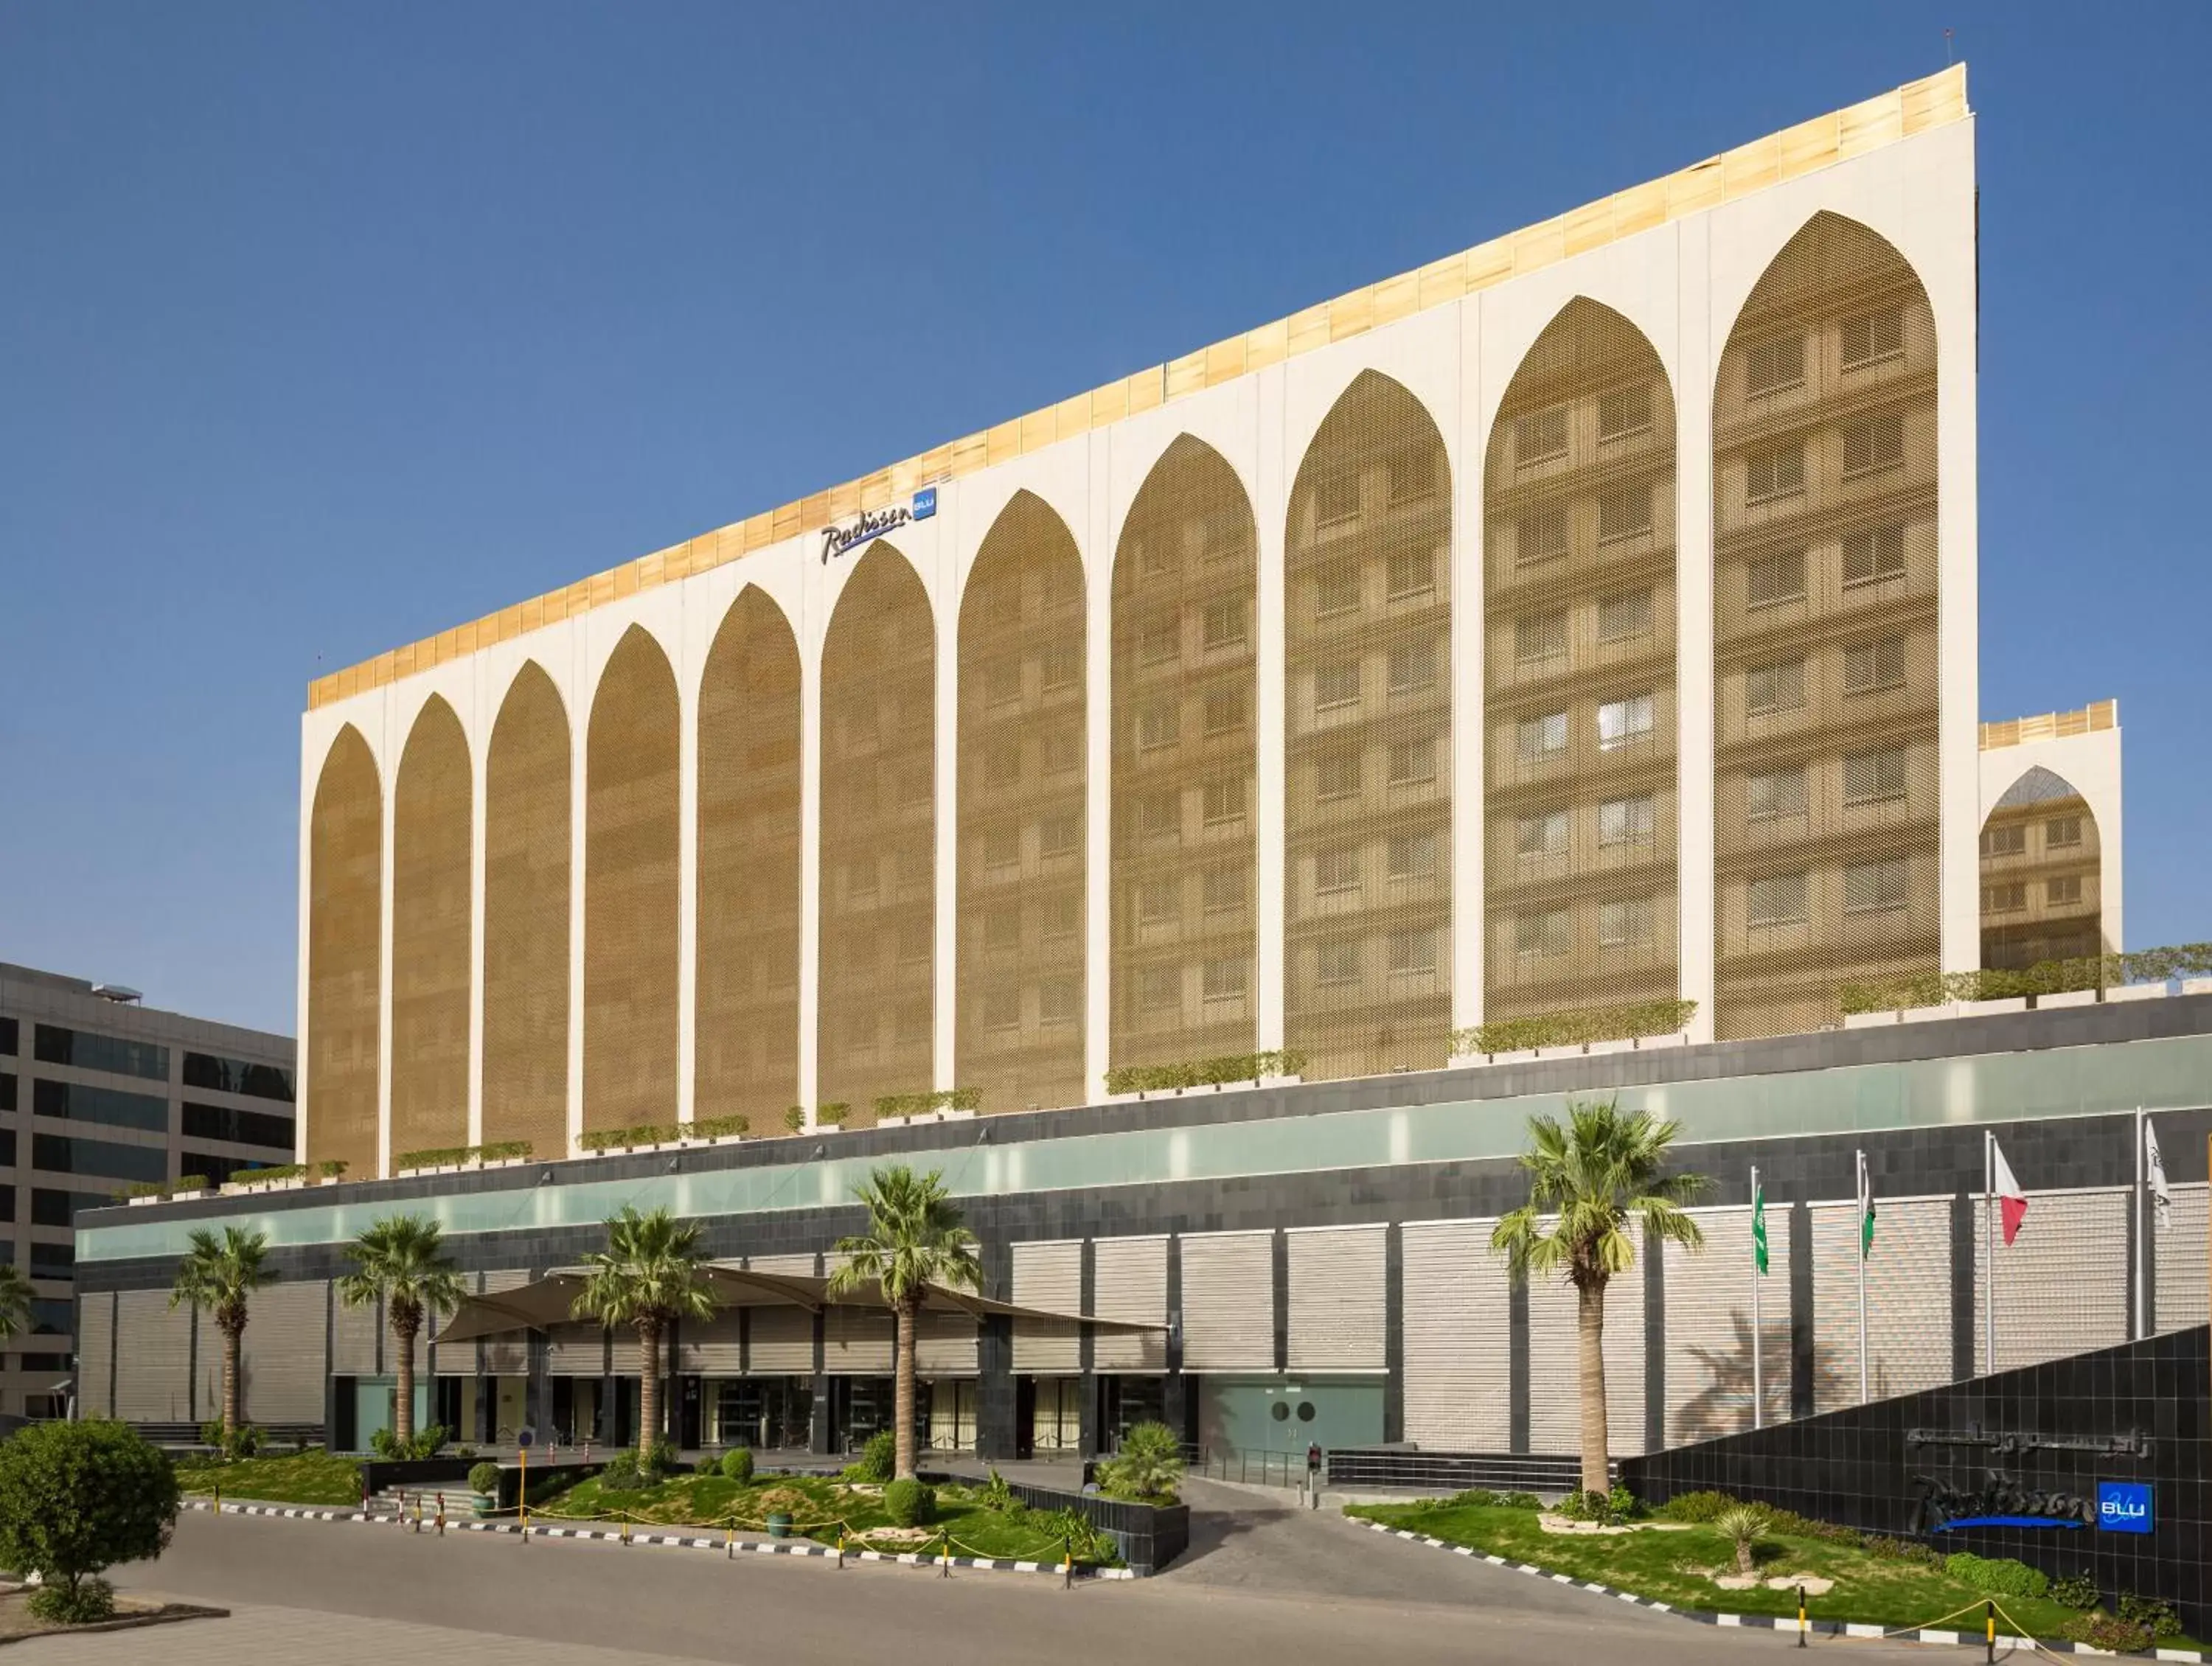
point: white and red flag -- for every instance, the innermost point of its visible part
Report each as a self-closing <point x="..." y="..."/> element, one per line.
<point x="2012" y="1202"/>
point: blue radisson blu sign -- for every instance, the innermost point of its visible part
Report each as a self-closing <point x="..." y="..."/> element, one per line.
<point x="870" y="524"/>
<point x="2124" y="1507"/>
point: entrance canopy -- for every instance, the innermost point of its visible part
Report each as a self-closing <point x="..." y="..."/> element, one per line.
<point x="551" y="1300"/>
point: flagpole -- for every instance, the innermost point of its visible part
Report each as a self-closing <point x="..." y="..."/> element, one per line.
<point x="1863" y="1196"/>
<point x="2139" y="1223"/>
<point x="1758" y="1364"/>
<point x="1990" y="1251"/>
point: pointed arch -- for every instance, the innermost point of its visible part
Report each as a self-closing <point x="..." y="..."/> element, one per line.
<point x="1579" y="576"/>
<point x="632" y="855"/>
<point x="1018" y="1025"/>
<point x="876" y="1005"/>
<point x="746" y="1049"/>
<point x="1185" y="570"/>
<point x="1826" y="782"/>
<point x="2042" y="860"/>
<point x="345" y="956"/>
<point x="431" y="854"/>
<point x="1367" y="685"/>
<point x="528" y="820"/>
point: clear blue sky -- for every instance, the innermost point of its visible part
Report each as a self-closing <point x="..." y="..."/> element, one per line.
<point x="324" y="328"/>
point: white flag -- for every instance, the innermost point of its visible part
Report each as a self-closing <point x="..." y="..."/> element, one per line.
<point x="2154" y="1168"/>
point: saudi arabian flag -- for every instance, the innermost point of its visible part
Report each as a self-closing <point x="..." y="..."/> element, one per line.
<point x="1866" y="1209"/>
<point x="1758" y="1228"/>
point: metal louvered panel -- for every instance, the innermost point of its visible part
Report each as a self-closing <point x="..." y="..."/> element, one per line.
<point x="1708" y="1334"/>
<point x="577" y="1350"/>
<point x="1229" y="1301"/>
<point x="623" y="1352"/>
<point x="431" y="853"/>
<point x="1555" y="1363"/>
<point x="525" y="925"/>
<point x="287" y="1336"/>
<point x="1579" y="558"/>
<point x="1049" y="1274"/>
<point x="354" y="1337"/>
<point x="631" y="840"/>
<point x="2042" y="862"/>
<point x="95" y="1354"/>
<point x="1825" y="606"/>
<point x="507" y="1355"/>
<point x="875" y="1001"/>
<point x="782" y="1343"/>
<point x="857" y="1341"/>
<point x="710" y="1346"/>
<point x="1337" y="1292"/>
<point x="1458" y="1338"/>
<point x="1908" y="1300"/>
<point x="748" y="867"/>
<point x="945" y="1345"/>
<point x="154" y="1353"/>
<point x="1022" y="853"/>
<point x="459" y="1360"/>
<point x="2182" y="1289"/>
<point x="345" y="892"/>
<point x="1184" y="927"/>
<point x="1367" y="655"/>
<point x="1130" y="1282"/>
<point x="2062" y="1285"/>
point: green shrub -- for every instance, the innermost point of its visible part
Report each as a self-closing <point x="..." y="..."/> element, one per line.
<point x="715" y="1127"/>
<point x="659" y="1462"/>
<point x="75" y="1498"/>
<point x="2147" y="965"/>
<point x="88" y="1602"/>
<point x="331" y="1167"/>
<point x="1148" y="1466"/>
<point x="1622" y="1502"/>
<point x="878" y="1456"/>
<point x="833" y="1114"/>
<point x="1204" y="1072"/>
<point x="2075" y="1590"/>
<point x="1696" y="1506"/>
<point x="909" y="1503"/>
<point x="1521" y="1501"/>
<point x="622" y="1475"/>
<point x="1074" y="1529"/>
<point x="2154" y="1616"/>
<point x="2000" y="1576"/>
<point x="794" y="1117"/>
<point x="1590" y="1506"/>
<point x="737" y="1465"/>
<point x="1476" y="1498"/>
<point x="919" y="1105"/>
<point x="1569" y="1029"/>
<point x="423" y="1443"/>
<point x="2102" y="1631"/>
<point x="484" y="1478"/>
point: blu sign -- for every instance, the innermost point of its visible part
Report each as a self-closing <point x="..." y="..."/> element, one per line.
<point x="874" y="522"/>
<point x="2124" y="1507"/>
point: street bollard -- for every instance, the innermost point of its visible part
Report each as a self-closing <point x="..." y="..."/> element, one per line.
<point x="418" y="1512"/>
<point x="625" y="1530"/>
<point x="1066" y="1564"/>
<point x="841" y="1549"/>
<point x="218" y="1500"/>
<point x="730" y="1541"/>
<point x="364" y="1500"/>
<point x="945" y="1549"/>
<point x="441" y="1514"/>
<point x="1800" y="1616"/>
<point x="1989" y="1632"/>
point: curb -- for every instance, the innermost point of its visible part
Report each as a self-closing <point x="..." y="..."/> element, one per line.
<point x="1770" y="1621"/>
<point x="679" y="1541"/>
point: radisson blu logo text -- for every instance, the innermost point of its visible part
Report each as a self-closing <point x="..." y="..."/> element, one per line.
<point x="872" y="524"/>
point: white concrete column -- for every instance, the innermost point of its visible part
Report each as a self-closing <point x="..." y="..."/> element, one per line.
<point x="1693" y="621"/>
<point x="1098" y="767"/>
<point x="1271" y="486"/>
<point x="1470" y="919"/>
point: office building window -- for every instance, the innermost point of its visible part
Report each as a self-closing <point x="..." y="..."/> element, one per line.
<point x="1062" y="666"/>
<point x="88" y="1051"/>
<point x="1775" y="579"/>
<point x="1874" y="555"/>
<point x="1158" y="901"/>
<point x="1413" y="763"/>
<point x="1541" y="738"/>
<point x="1224" y="622"/>
<point x="1224" y="891"/>
<point x="7" y="1091"/>
<point x="1002" y="681"/>
<point x="53" y="1261"/>
<point x="1413" y="856"/>
<point x="1541" y="537"/>
<point x="1624" y="821"/>
<point x="1336" y="498"/>
<point x="1540" y="437"/>
<point x="1540" y="636"/>
<point x="1776" y="687"/>
<point x="7" y="1148"/>
<point x="1869" y="666"/>
<point x="1336" y="589"/>
<point x="1412" y="953"/>
<point x="2005" y="841"/>
<point x="52" y="1316"/>
<point x="1624" y="513"/>
<point x="1624" y="924"/>
<point x="2063" y="892"/>
<point x="1225" y="801"/>
<point x="1224" y="980"/>
<point x="1337" y="776"/>
<point x="1773" y="793"/>
<point x="45" y="1362"/>
<point x="1769" y="367"/>
<point x="1227" y="711"/>
<point x="1624" y="722"/>
<point x="1059" y="1001"/>
<point x="1543" y="834"/>
<point x="1541" y="935"/>
<point x="231" y="1076"/>
<point x="1159" y="725"/>
<point x="1412" y="667"/>
<point x="8" y="1038"/>
<point x="1412" y="573"/>
<point x="1158" y="642"/>
<point x="1336" y="869"/>
<point x="59" y="1208"/>
<point x="1337" y="962"/>
<point x="1871" y="777"/>
<point x="1413" y="478"/>
<point x="1623" y="614"/>
<point x="107" y="1106"/>
<point x="221" y="1122"/>
<point x="2062" y="831"/>
<point x="1002" y="927"/>
<point x="1872" y="888"/>
<point x="1871" y="338"/>
<point x="1778" y="900"/>
<point x="1775" y="472"/>
<point x="1624" y="412"/>
<point x="1336" y="686"/>
<point x="1002" y="1009"/>
<point x="60" y="1154"/>
<point x="1063" y="918"/>
<point x="2007" y="899"/>
<point x="1873" y="443"/>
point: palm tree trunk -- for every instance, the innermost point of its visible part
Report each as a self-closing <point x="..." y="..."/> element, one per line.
<point x="1590" y="1326"/>
<point x="403" y="1413"/>
<point x="903" y="1395"/>
<point x="648" y="1385"/>
<point x="230" y="1382"/>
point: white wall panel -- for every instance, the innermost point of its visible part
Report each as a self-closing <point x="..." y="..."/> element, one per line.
<point x="285" y="1347"/>
<point x="2062" y="1285"/>
<point x="1130" y="1282"/>
<point x="1458" y="1371"/>
<point x="1908" y="1282"/>
<point x="507" y="1355"/>
<point x="1049" y="1274"/>
<point x="1229" y="1301"/>
<point x="1709" y="1332"/>
<point x="95" y="1355"/>
<point x="1337" y="1291"/>
<point x="1555" y="1414"/>
<point x="154" y="1344"/>
<point x="2182" y="1290"/>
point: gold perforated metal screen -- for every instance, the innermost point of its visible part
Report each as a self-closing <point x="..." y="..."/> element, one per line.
<point x="747" y="1046"/>
<point x="2041" y="865"/>
<point x="345" y="880"/>
<point x="1579" y="817"/>
<point x="1020" y="1020"/>
<point x="525" y="953"/>
<point x="631" y="903"/>
<point x="876" y="1001"/>
<point x="430" y="856"/>
<point x="1367" y="675"/>
<point x="1826" y="780"/>
<point x="1185" y="582"/>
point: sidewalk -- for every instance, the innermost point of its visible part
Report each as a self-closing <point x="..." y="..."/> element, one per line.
<point x="284" y="1636"/>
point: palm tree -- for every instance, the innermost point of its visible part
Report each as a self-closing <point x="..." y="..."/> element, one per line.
<point x="1587" y="1181"/>
<point x="400" y="1260"/>
<point x="650" y="1275"/>
<point x="915" y="1240"/>
<point x="219" y="1275"/>
<point x="15" y="1302"/>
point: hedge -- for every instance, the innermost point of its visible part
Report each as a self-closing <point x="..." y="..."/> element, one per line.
<point x="1934" y="989"/>
<point x="665" y="1133"/>
<point x="260" y="1176"/>
<point x="1567" y="1029"/>
<point x="919" y="1105"/>
<point x="451" y="1156"/>
<point x="1201" y="1072"/>
<point x="162" y="1188"/>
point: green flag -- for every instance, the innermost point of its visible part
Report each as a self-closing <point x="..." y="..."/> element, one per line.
<point x="1758" y="1228"/>
<point x="1866" y="1209"/>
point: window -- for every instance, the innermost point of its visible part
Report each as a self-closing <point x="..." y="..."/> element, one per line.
<point x="59" y="1208"/>
<point x="2062" y="830"/>
<point x="1058" y="835"/>
<point x="1874" y="443"/>
<point x="2005" y="841"/>
<point x="1412" y="477"/>
<point x="1625" y="411"/>
<point x="1412" y="573"/>
<point x="1224" y="800"/>
<point x="1225" y="536"/>
<point x="1873" y="336"/>
<point x="1875" y="888"/>
<point x="1779" y="686"/>
<point x="45" y="1362"/>
<point x="1225" y="711"/>
<point x="1002" y="764"/>
<point x="1774" y="793"/>
<point x="2062" y="892"/>
<point x="1871" y="777"/>
<point x="1773" y="578"/>
<point x="1543" y="834"/>
<point x="1337" y="776"/>
<point x="8" y="1146"/>
<point x="1540" y="636"/>
<point x="219" y="1122"/>
<point x="1624" y="722"/>
<point x="1063" y="918"/>
<point x="1774" y="473"/>
<point x="1778" y="900"/>
<point x="53" y="1261"/>
<point x="1624" y="513"/>
<point x="1063" y="751"/>
<point x="1541" y="738"/>
<point x="1159" y="725"/>
<point x="1624" y="821"/>
<point x="1224" y="980"/>
<point x="913" y="864"/>
<point x="1155" y="559"/>
<point x="51" y="1318"/>
<point x="1413" y="856"/>
<point x="1158" y="987"/>
<point x="915" y="939"/>
<point x="1002" y="927"/>
<point x="1336" y="498"/>
<point x="1336" y="869"/>
<point x="7" y="1091"/>
<point x="1541" y="934"/>
<point x="1623" y="614"/>
<point x="1876" y="553"/>
<point x="60" y="1154"/>
<point x="1539" y="537"/>
<point x="1224" y="622"/>
<point x="1412" y="667"/>
<point x="1868" y="666"/>
<point x="1336" y="589"/>
<point x="1062" y="666"/>
<point x="1224" y="891"/>
<point x="1002" y="1009"/>
<point x="1158" y="642"/>
<point x="1771" y="366"/>
<point x="1337" y="962"/>
<point x="1541" y="436"/>
<point x="1336" y="686"/>
<point x="1002" y="681"/>
<point x="2007" y="899"/>
<point x="1059" y="1001"/>
<point x="8" y="1037"/>
<point x="1413" y="762"/>
<point x="7" y="1207"/>
<point x="1412" y="953"/>
<point x="1002" y="847"/>
<point x="1624" y="924"/>
<point x="231" y="1076"/>
<point x="55" y="1045"/>
<point x="75" y="1101"/>
<point x="1159" y="817"/>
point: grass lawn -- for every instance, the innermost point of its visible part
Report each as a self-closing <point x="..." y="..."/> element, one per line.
<point x="818" y="1504"/>
<point x="1672" y="1567"/>
<point x="306" y="1478"/>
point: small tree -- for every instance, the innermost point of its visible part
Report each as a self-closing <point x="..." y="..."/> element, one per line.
<point x="915" y="1240"/>
<point x="76" y="1499"/>
<point x="1588" y="1182"/>
<point x="400" y="1260"/>
<point x="1148" y="1466"/>
<point x="15" y="1302"/>
<point x="219" y="1275"/>
<point x="650" y="1275"/>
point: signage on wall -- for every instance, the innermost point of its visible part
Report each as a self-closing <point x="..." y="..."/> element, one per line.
<point x="2124" y="1507"/>
<point x="1997" y="1497"/>
<point x="870" y="524"/>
